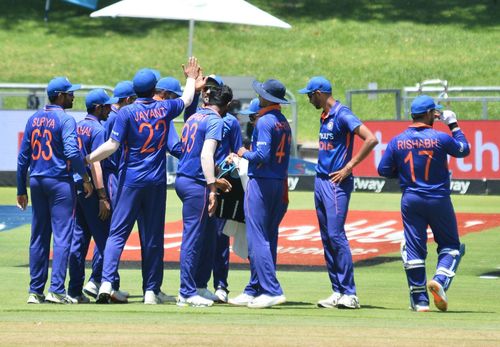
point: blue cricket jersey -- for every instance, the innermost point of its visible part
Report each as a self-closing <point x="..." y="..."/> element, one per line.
<point x="205" y="124"/>
<point x="49" y="147"/>
<point x="271" y="141"/>
<point x="231" y="138"/>
<point x="143" y="128"/>
<point x="336" y="139"/>
<point x="111" y="163"/>
<point x="418" y="156"/>
<point x="91" y="134"/>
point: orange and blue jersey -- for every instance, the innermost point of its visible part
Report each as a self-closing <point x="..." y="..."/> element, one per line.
<point x="418" y="156"/>
<point x="91" y="134"/>
<point x="205" y="124"/>
<point x="271" y="141"/>
<point x="49" y="147"/>
<point x="143" y="128"/>
<point x="231" y="138"/>
<point x="336" y="139"/>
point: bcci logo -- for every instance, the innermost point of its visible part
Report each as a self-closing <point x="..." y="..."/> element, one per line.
<point x="329" y="126"/>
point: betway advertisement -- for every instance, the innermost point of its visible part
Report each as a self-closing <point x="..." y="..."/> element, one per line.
<point x="483" y="161"/>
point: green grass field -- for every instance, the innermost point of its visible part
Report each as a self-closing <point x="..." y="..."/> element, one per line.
<point x="473" y="318"/>
<point x="395" y="43"/>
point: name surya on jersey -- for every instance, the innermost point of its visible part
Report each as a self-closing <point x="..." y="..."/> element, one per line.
<point x="43" y="121"/>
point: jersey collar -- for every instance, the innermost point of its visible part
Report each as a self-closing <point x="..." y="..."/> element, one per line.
<point x="266" y="109"/>
<point x="419" y="125"/>
<point x="91" y="117"/>
<point x="53" y="107"/>
<point x="332" y="112"/>
<point x="144" y="101"/>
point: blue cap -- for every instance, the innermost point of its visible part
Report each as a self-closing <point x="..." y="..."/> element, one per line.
<point x="144" y="81"/>
<point x="157" y="74"/>
<point x="216" y="79"/>
<point x="253" y="108"/>
<point x="124" y="89"/>
<point x="61" y="85"/>
<point x="271" y="90"/>
<point x="169" y="84"/>
<point x="318" y="83"/>
<point x="422" y="104"/>
<point x="98" y="97"/>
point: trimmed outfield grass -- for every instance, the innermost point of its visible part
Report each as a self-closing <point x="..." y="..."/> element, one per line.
<point x="473" y="319"/>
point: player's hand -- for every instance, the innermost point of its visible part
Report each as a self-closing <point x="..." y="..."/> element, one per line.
<point x="448" y="117"/>
<point x="212" y="203"/>
<point x="232" y="158"/>
<point x="22" y="201"/>
<point x="200" y="82"/>
<point x="192" y="69"/>
<point x="223" y="185"/>
<point x="104" y="209"/>
<point x="88" y="188"/>
<point x="340" y="175"/>
<point x="242" y="151"/>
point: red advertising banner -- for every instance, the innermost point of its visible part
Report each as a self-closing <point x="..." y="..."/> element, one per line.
<point x="483" y="136"/>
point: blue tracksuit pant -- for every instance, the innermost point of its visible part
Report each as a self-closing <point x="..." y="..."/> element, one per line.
<point x="266" y="202"/>
<point x="194" y="197"/>
<point x="147" y="206"/>
<point x="332" y="203"/>
<point x="53" y="202"/>
<point x="88" y="224"/>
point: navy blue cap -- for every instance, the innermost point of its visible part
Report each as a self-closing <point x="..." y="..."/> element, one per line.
<point x="422" y="104"/>
<point x="318" y="83"/>
<point x="215" y="79"/>
<point x="61" y="85"/>
<point x="98" y="97"/>
<point x="271" y="90"/>
<point x="253" y="108"/>
<point x="169" y="84"/>
<point x="144" y="81"/>
<point x="124" y="89"/>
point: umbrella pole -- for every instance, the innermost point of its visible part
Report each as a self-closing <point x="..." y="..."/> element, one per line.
<point x="47" y="9"/>
<point x="191" y="34"/>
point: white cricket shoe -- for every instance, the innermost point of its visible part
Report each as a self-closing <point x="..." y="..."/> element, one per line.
<point x="150" y="298"/>
<point x="241" y="300"/>
<point x="80" y="299"/>
<point x="264" y="300"/>
<point x="207" y="294"/>
<point x="34" y="298"/>
<point x="92" y="289"/>
<point x="221" y="294"/>
<point x="420" y="307"/>
<point x="194" y="301"/>
<point x="54" y="298"/>
<point x="348" y="301"/>
<point x="118" y="297"/>
<point x="331" y="302"/>
<point x="104" y="295"/>
<point x="440" y="298"/>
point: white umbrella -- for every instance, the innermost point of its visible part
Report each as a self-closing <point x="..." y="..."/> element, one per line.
<point x="222" y="11"/>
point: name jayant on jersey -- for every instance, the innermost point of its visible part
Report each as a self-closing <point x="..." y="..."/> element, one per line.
<point x="83" y="130"/>
<point x="417" y="144"/>
<point x="43" y="121"/>
<point x="151" y="113"/>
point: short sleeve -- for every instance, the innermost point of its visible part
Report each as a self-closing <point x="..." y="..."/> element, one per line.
<point x="119" y="132"/>
<point x="215" y="126"/>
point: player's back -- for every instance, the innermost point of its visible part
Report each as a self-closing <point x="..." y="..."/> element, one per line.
<point x="420" y="153"/>
<point x="143" y="128"/>
<point x="231" y="138"/>
<point x="204" y="124"/>
<point x="111" y="163"/>
<point x="276" y="130"/>
<point x="46" y="137"/>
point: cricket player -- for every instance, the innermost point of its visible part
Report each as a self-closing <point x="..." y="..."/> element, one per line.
<point x="50" y="150"/>
<point x="333" y="186"/>
<point x="215" y="253"/>
<point x="141" y="195"/>
<point x="92" y="214"/>
<point x="196" y="186"/>
<point x="266" y="196"/>
<point x="419" y="158"/>
<point x="125" y="95"/>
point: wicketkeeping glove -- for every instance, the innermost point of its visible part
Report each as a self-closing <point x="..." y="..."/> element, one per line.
<point x="448" y="117"/>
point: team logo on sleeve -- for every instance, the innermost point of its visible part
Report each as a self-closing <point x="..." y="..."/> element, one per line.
<point x="329" y="126"/>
